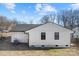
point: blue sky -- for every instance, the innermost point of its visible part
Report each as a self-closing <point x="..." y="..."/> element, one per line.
<point x="32" y="11"/>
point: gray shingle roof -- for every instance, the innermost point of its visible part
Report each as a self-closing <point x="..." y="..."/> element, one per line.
<point x="23" y="27"/>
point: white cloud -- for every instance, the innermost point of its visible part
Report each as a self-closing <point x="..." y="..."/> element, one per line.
<point x="24" y="17"/>
<point x="38" y="7"/>
<point x="42" y="13"/>
<point x="21" y="16"/>
<point x="49" y="8"/>
<point x="75" y="6"/>
<point x="10" y="7"/>
<point x="43" y="9"/>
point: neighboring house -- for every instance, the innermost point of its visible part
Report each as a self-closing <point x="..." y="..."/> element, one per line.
<point x="76" y="33"/>
<point x="43" y="35"/>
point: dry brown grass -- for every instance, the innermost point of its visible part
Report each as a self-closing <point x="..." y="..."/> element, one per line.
<point x="51" y="52"/>
<point x="7" y="49"/>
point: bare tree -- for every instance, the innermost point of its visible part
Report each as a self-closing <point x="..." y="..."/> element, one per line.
<point x="4" y="22"/>
<point x="45" y="19"/>
<point x="69" y="18"/>
<point x="15" y="21"/>
<point x="48" y="18"/>
<point x="52" y="17"/>
<point x="58" y="19"/>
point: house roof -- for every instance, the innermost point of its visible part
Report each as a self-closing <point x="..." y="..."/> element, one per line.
<point x="55" y="24"/>
<point x="26" y="27"/>
<point x="23" y="27"/>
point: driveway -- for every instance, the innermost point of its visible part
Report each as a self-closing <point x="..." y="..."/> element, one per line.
<point x="7" y="45"/>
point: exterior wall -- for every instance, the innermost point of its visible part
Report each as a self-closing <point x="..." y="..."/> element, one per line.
<point x="20" y="36"/>
<point x="49" y="28"/>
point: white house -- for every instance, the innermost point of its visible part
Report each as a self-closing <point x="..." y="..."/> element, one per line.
<point x="42" y="35"/>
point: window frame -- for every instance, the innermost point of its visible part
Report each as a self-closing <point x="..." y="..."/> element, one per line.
<point x="56" y="35"/>
<point x="43" y="35"/>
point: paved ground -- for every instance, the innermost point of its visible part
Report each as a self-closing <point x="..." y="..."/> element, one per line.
<point x="8" y="49"/>
<point x="7" y="45"/>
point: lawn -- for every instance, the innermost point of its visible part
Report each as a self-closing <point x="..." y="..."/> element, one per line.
<point x="74" y="51"/>
<point x="7" y="49"/>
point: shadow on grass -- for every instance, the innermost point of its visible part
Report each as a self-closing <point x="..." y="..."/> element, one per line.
<point x="6" y="45"/>
<point x="22" y="47"/>
<point x="25" y="47"/>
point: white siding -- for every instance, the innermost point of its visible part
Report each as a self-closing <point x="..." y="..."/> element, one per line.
<point x="49" y="28"/>
<point x="20" y="36"/>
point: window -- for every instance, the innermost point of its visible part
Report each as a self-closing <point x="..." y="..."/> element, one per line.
<point x="56" y="35"/>
<point x="43" y="35"/>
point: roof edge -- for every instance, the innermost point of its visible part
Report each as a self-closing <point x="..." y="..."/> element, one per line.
<point x="53" y="23"/>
